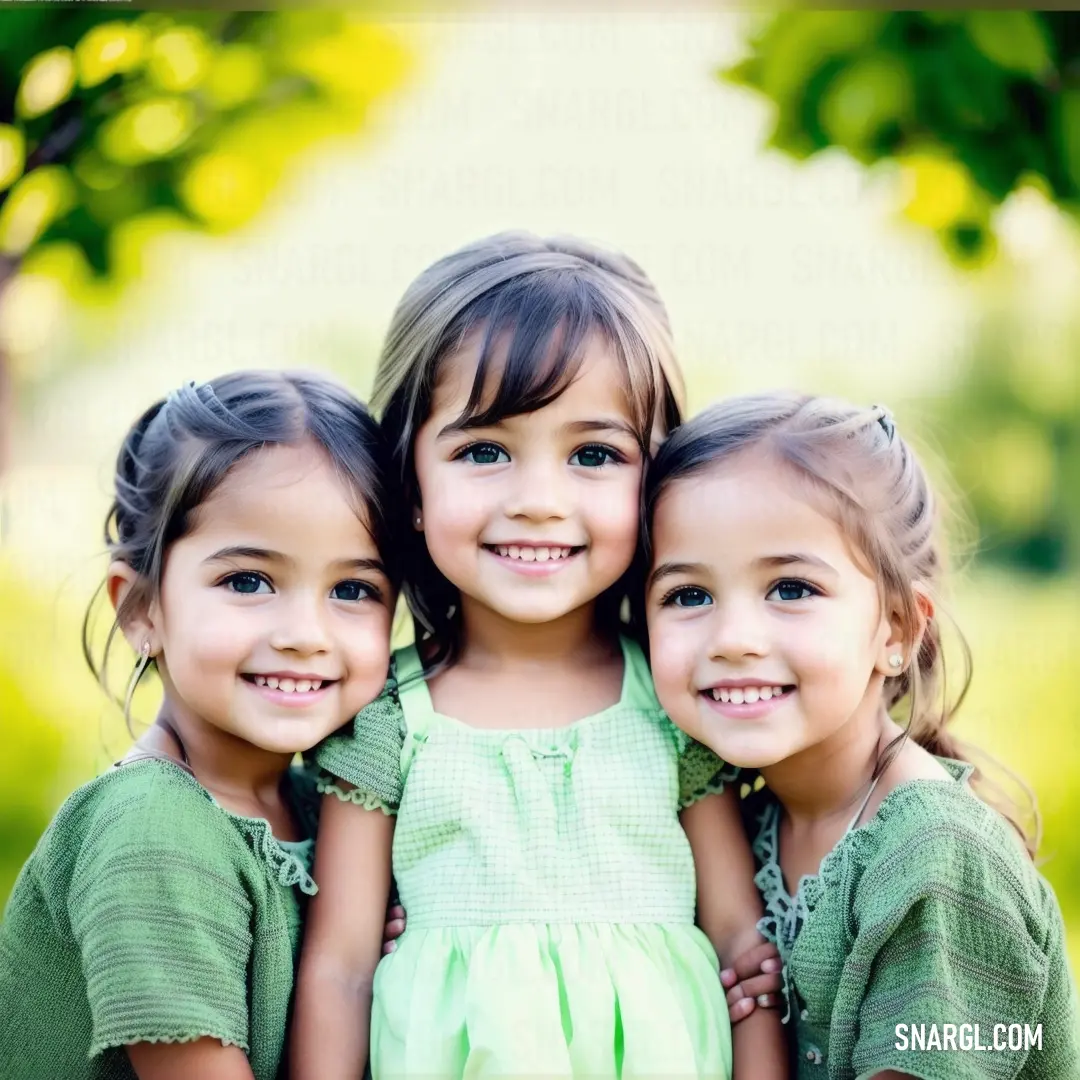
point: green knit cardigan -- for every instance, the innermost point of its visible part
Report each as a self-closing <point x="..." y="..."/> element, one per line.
<point x="929" y="914"/>
<point x="148" y="913"/>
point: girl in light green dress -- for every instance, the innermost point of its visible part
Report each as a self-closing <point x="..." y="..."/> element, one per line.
<point x="791" y="606"/>
<point x="518" y="769"/>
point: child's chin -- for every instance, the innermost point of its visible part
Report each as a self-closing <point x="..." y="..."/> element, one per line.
<point x="744" y="753"/>
<point x="296" y="741"/>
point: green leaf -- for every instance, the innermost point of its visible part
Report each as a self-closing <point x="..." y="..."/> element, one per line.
<point x="12" y="155"/>
<point x="36" y="201"/>
<point x="153" y="128"/>
<point x="806" y="40"/>
<point x="1013" y="39"/>
<point x="47" y="82"/>
<point x="112" y="48"/>
<point x="1068" y="133"/>
<point x="865" y="98"/>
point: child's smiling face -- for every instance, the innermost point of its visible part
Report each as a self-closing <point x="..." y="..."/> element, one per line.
<point x="534" y="516"/>
<point x="273" y="619"/>
<point x="766" y="634"/>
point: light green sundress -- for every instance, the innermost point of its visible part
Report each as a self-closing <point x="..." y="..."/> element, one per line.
<point x="549" y="890"/>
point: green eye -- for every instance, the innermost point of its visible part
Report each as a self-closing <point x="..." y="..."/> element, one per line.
<point x="484" y="454"/>
<point x="593" y="457"/>
<point x="246" y="583"/>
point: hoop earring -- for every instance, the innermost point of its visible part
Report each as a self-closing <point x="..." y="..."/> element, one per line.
<point x="136" y="674"/>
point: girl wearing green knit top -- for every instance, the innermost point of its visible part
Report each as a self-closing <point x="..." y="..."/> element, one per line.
<point x="791" y="607"/>
<point x="518" y="771"/>
<point x="153" y="931"/>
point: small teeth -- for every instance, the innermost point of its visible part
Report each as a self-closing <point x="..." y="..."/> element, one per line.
<point x="746" y="695"/>
<point x="290" y="686"/>
<point x="532" y="554"/>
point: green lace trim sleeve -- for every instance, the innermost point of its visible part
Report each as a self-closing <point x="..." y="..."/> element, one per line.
<point x="366" y="753"/>
<point x="701" y="772"/>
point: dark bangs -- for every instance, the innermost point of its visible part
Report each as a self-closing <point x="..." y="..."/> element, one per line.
<point x="529" y="305"/>
<point x="534" y="331"/>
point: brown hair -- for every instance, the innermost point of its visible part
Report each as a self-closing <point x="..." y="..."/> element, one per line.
<point x="854" y="462"/>
<point x="535" y="301"/>
<point x="182" y="447"/>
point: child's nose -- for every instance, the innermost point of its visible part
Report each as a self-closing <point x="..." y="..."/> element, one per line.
<point x="539" y="492"/>
<point x="737" y="631"/>
<point x="301" y="626"/>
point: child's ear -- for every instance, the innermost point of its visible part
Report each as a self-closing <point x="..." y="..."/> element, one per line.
<point x="901" y="645"/>
<point x="125" y="586"/>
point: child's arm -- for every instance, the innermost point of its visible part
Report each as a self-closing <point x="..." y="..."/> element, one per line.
<point x="728" y="910"/>
<point x="205" y="1058"/>
<point x="342" y="942"/>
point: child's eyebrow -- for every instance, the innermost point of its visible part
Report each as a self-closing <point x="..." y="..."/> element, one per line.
<point x="242" y="552"/>
<point x="673" y="569"/>
<point x="605" y="424"/>
<point x="456" y="427"/>
<point x="795" y="557"/>
<point x="576" y="427"/>
<point x="266" y="555"/>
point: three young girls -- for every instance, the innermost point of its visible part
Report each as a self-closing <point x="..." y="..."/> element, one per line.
<point x="153" y="932"/>
<point x="552" y="834"/>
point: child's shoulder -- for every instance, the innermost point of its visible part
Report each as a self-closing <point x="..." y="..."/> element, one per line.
<point x="932" y="836"/>
<point x="936" y="814"/>
<point x="149" y="802"/>
<point x="147" y="814"/>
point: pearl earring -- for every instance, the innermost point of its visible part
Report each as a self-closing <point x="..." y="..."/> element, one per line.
<point x="896" y="660"/>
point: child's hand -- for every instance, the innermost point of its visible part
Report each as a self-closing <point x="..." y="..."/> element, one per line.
<point x="753" y="980"/>
<point x="394" y="928"/>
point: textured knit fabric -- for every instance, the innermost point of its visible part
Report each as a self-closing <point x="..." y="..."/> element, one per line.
<point x="549" y="888"/>
<point x="931" y="913"/>
<point x="147" y="913"/>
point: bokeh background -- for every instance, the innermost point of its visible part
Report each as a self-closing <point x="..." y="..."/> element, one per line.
<point x="880" y="205"/>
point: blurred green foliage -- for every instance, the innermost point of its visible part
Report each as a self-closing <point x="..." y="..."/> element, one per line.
<point x="1010" y="431"/>
<point x="972" y="104"/>
<point x="968" y="106"/>
<point x="116" y="126"/>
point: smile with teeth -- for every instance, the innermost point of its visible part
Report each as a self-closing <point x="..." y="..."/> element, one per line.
<point x="550" y="553"/>
<point x="747" y="695"/>
<point x="289" y="686"/>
